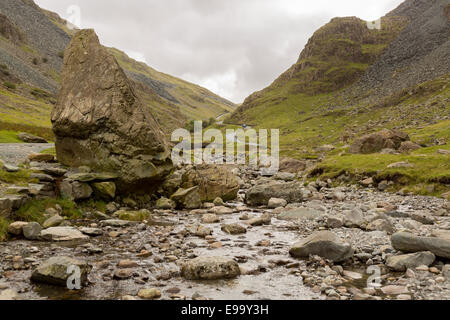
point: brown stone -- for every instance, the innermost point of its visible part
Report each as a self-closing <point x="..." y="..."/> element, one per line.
<point x="214" y="181"/>
<point x="291" y="165"/>
<point x="41" y="157"/>
<point x="100" y="122"/>
<point x="375" y="142"/>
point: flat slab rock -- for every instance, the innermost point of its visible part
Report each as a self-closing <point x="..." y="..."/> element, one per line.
<point x="325" y="244"/>
<point x="62" y="234"/>
<point x="55" y="271"/>
<point x="408" y="242"/>
<point x="210" y="268"/>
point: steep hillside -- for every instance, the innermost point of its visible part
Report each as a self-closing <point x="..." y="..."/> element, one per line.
<point x="324" y="97"/>
<point x="420" y="53"/>
<point x="336" y="56"/>
<point x="32" y="43"/>
<point x="350" y="81"/>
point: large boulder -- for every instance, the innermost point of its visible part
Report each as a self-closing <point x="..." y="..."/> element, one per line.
<point x="261" y="194"/>
<point x="100" y="122"/>
<point x="408" y="242"/>
<point x="325" y="244"/>
<point x="165" y="204"/>
<point x="375" y="142"/>
<point x="56" y="271"/>
<point x="213" y="181"/>
<point x="210" y="268"/>
<point x="233" y="229"/>
<point x="11" y="202"/>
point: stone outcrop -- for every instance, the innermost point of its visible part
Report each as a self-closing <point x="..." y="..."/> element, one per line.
<point x="100" y="122"/>
<point x="375" y="142"/>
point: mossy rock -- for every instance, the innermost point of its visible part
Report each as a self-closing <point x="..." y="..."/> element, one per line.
<point x="138" y="216"/>
<point x="105" y="190"/>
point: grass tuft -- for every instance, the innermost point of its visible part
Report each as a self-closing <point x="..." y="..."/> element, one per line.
<point x="34" y="210"/>
<point x="3" y="229"/>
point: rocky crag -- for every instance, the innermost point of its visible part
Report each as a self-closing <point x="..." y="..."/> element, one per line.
<point x="100" y="122"/>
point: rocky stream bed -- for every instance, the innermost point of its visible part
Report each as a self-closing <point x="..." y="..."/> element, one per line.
<point x="129" y="257"/>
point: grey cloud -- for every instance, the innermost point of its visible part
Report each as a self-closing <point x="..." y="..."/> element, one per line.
<point x="204" y="40"/>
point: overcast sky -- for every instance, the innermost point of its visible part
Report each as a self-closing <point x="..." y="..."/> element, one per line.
<point x="232" y="47"/>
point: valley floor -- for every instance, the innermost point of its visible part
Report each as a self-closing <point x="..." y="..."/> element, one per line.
<point x="135" y="255"/>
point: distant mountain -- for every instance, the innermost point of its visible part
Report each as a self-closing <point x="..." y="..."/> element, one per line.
<point x="350" y="80"/>
<point x="32" y="43"/>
